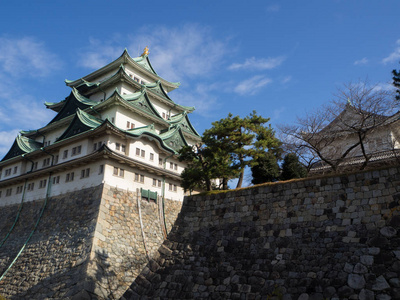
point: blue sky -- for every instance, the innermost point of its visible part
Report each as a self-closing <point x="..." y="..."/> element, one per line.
<point x="280" y="58"/>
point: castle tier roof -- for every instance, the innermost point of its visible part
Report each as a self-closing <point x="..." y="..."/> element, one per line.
<point x="22" y="145"/>
<point x="80" y="123"/>
<point x="183" y="121"/>
<point x="155" y="89"/>
<point x="141" y="63"/>
<point x="71" y="103"/>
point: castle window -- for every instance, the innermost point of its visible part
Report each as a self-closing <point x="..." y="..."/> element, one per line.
<point x="56" y="159"/>
<point x="15" y="170"/>
<point x="76" y="150"/>
<point x="46" y="162"/>
<point x="175" y="166"/>
<point x="31" y="186"/>
<point x="139" y="178"/>
<point x="112" y="120"/>
<point x="132" y="125"/>
<point x="117" y="146"/>
<point x="171" y="165"/>
<point x="8" y="192"/>
<point x="151" y="156"/>
<point x="163" y="115"/>
<point x="128" y="124"/>
<point x="19" y="189"/>
<point x="136" y="79"/>
<point x="85" y="173"/>
<point x="65" y="154"/>
<point x="154" y="182"/>
<point x="160" y="161"/>
<point x="56" y="180"/>
<point x="8" y="172"/>
<point x="42" y="183"/>
<point x="119" y="172"/>
<point x="69" y="177"/>
<point x="159" y="183"/>
<point x="170" y="187"/>
<point x="101" y="169"/>
<point x="142" y="153"/>
<point x="0" y="193"/>
<point x="123" y="148"/>
<point x="137" y="151"/>
<point x="175" y="188"/>
<point x="35" y="164"/>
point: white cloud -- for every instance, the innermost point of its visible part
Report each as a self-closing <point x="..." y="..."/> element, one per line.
<point x="362" y="61"/>
<point x="201" y="97"/>
<point x="26" y="56"/>
<point x="384" y="87"/>
<point x="6" y="140"/>
<point x="187" y="51"/>
<point x="394" y="56"/>
<point x="252" y="85"/>
<point x="253" y="63"/>
<point x="98" y="54"/>
<point x="276" y="114"/>
<point x="176" y="53"/>
<point x="273" y="8"/>
<point x="286" y="79"/>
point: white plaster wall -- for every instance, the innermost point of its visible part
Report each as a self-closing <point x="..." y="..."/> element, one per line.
<point x="95" y="178"/>
<point x="53" y="135"/>
<point x="135" y="73"/>
<point x="123" y="115"/>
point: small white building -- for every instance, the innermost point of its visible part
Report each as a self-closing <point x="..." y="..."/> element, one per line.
<point x="352" y="136"/>
<point x="118" y="126"/>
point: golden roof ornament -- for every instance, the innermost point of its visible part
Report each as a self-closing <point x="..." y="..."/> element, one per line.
<point x="145" y="51"/>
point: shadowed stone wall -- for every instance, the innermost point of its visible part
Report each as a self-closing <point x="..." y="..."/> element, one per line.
<point x="89" y="244"/>
<point x="331" y="238"/>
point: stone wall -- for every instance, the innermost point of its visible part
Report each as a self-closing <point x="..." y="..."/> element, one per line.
<point x="328" y="238"/>
<point x="53" y="263"/>
<point x="89" y="244"/>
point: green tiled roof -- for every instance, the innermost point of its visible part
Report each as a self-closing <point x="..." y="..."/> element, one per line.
<point x="174" y="138"/>
<point x="80" y="123"/>
<point x="72" y="102"/>
<point x="21" y="146"/>
<point x="183" y="121"/>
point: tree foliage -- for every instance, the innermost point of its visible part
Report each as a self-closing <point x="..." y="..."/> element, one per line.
<point x="396" y="82"/>
<point x="266" y="169"/>
<point x="229" y="146"/>
<point x="241" y="141"/>
<point x="292" y="168"/>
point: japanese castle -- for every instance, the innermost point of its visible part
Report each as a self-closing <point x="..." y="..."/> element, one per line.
<point x="117" y="126"/>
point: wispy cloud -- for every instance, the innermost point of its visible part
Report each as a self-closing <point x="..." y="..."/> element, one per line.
<point x="252" y="85"/>
<point x="394" y="56"/>
<point x="253" y="63"/>
<point x="362" y="61"/>
<point x="26" y="57"/>
<point x="273" y="8"/>
<point x="187" y="51"/>
<point x="176" y="53"/>
<point x="98" y="54"/>
<point x="286" y="79"/>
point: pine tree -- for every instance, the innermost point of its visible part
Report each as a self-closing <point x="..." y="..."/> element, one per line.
<point x="266" y="169"/>
<point x="396" y="82"/>
<point x="240" y="141"/>
<point x="292" y="168"/>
